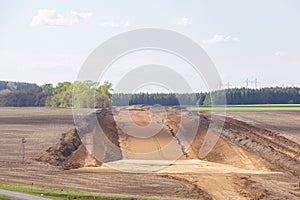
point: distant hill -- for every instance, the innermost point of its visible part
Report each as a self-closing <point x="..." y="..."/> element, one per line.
<point x="17" y="86"/>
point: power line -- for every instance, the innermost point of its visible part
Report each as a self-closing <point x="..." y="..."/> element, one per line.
<point x="252" y="83"/>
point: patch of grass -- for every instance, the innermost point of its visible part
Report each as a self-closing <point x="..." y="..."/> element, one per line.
<point x="250" y="107"/>
<point x="5" y="198"/>
<point x="66" y="194"/>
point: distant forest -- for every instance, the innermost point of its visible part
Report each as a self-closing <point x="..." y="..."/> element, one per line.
<point x="16" y="86"/>
<point x="16" y="94"/>
<point x="234" y="96"/>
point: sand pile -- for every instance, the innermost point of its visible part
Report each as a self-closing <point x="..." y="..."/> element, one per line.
<point x="69" y="153"/>
<point x="224" y="152"/>
<point x="240" y="144"/>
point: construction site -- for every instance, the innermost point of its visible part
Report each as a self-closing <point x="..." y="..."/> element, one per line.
<point x="250" y="160"/>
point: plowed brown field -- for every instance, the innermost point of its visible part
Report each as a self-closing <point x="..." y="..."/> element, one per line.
<point x="248" y="161"/>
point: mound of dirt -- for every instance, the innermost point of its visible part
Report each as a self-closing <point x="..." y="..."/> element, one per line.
<point x="240" y="145"/>
<point x="69" y="153"/>
<point x="224" y="152"/>
<point x="266" y="144"/>
<point x="85" y="150"/>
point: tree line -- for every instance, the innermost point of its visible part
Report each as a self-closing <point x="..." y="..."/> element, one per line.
<point x="90" y="94"/>
<point x="86" y="94"/>
<point x="16" y="86"/>
<point x="235" y="96"/>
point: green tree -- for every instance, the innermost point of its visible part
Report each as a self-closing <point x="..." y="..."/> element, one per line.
<point x="84" y="93"/>
<point x="62" y="95"/>
<point x="48" y="88"/>
<point x="103" y="95"/>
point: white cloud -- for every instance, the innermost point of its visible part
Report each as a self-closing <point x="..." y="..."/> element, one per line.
<point x="113" y="24"/>
<point x="183" y="22"/>
<point x="50" y="17"/>
<point x="78" y="16"/>
<point x="221" y="39"/>
<point x="281" y="53"/>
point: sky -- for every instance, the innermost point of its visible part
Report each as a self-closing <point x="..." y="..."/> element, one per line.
<point x="47" y="41"/>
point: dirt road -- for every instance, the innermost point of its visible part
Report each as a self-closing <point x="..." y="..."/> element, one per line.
<point x="20" y="196"/>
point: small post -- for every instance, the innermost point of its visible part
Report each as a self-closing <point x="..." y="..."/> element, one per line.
<point x="23" y="141"/>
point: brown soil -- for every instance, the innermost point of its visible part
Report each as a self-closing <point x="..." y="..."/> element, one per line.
<point x="266" y="144"/>
<point x="43" y="128"/>
<point x="248" y="162"/>
<point x="69" y="153"/>
<point x="285" y="123"/>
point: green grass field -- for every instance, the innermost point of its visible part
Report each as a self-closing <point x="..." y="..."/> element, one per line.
<point x="67" y="195"/>
<point x="254" y="107"/>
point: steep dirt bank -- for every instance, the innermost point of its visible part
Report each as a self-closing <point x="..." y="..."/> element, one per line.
<point x="69" y="153"/>
<point x="266" y="144"/>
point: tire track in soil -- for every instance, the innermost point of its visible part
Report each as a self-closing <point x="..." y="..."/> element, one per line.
<point x="268" y="145"/>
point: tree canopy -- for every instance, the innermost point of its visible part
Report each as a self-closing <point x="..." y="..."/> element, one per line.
<point x="60" y="96"/>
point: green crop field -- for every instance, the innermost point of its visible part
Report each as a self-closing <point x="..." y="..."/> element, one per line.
<point x="250" y="107"/>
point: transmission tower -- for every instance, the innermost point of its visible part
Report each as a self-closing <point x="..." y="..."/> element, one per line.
<point x="255" y="83"/>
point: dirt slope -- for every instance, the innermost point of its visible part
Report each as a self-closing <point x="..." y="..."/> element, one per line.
<point x="285" y="123"/>
<point x="266" y="144"/>
<point x="225" y="152"/>
<point x="240" y="145"/>
<point x="246" y="163"/>
<point x="69" y="153"/>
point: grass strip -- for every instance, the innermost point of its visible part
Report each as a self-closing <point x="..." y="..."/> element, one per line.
<point x="251" y="107"/>
<point x="67" y="194"/>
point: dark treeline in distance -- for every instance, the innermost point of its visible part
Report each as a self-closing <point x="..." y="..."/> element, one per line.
<point x="90" y="94"/>
<point x="16" y="86"/>
<point x="272" y="95"/>
<point x="235" y="96"/>
<point x="18" y="94"/>
<point x="121" y="99"/>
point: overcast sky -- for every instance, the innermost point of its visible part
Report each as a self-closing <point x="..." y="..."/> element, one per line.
<point x="45" y="41"/>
